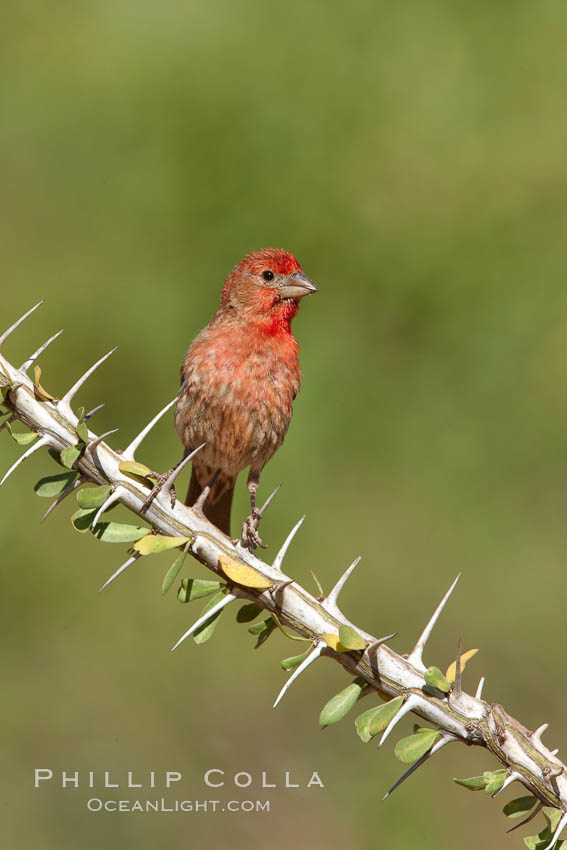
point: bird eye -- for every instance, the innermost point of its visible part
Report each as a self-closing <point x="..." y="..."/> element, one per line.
<point x="268" y="275"/>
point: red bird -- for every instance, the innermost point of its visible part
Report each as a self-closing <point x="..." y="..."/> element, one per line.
<point x="238" y="382"/>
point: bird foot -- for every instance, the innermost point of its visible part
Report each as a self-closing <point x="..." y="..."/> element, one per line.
<point x="161" y="480"/>
<point x="250" y="537"/>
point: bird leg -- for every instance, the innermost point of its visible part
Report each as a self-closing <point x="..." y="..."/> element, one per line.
<point x="250" y="537"/>
<point x="161" y="480"/>
<point x="199" y="504"/>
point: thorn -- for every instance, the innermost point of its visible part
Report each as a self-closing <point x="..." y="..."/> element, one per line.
<point x="555" y="751"/>
<point x="16" y="324"/>
<point x="446" y="739"/>
<point x="379" y="642"/>
<point x="318" y="583"/>
<point x="530" y="817"/>
<point x="330" y="603"/>
<point x="278" y="560"/>
<point x="313" y="656"/>
<point x="513" y="775"/>
<point x="458" y="683"/>
<point x="121" y="569"/>
<point x="205" y="617"/>
<point x="536" y="736"/>
<point x="560" y="827"/>
<point x="204" y="495"/>
<point x="128" y="453"/>
<point x="167" y="485"/>
<point x="415" y="656"/>
<point x="269" y="500"/>
<point x="65" y="403"/>
<point x="93" y="444"/>
<point x="93" y="411"/>
<point x="479" y="687"/>
<point x="33" y="357"/>
<point x="43" y="441"/>
<point x="73" y="486"/>
<point x="113" y="497"/>
<point x="409" y="704"/>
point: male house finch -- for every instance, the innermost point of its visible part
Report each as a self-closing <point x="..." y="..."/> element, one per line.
<point x="238" y="381"/>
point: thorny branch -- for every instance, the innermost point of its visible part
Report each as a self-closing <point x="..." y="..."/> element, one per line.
<point x="456" y="715"/>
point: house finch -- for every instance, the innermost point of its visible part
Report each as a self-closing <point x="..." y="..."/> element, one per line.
<point x="238" y="381"/>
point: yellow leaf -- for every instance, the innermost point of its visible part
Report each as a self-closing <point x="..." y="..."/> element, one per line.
<point x="133" y="467"/>
<point x="452" y="668"/>
<point x="39" y="391"/>
<point x="242" y="574"/>
<point x="152" y="543"/>
<point x="332" y="640"/>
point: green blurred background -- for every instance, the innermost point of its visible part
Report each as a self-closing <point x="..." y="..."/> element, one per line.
<point x="413" y="157"/>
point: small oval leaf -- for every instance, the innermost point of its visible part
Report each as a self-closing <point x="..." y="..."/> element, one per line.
<point x="54" y="485"/>
<point x="515" y="808"/>
<point x="196" y="588"/>
<point x="495" y="780"/>
<point x="294" y="661"/>
<point x="350" y="639"/>
<point x="248" y="612"/>
<point x="243" y="574"/>
<point x="473" y="783"/>
<point x="154" y="543"/>
<point x="82" y="432"/>
<point x="339" y="705"/>
<point x="205" y="632"/>
<point x="119" y="532"/>
<point x="93" y="497"/>
<point x="173" y="572"/>
<point x="24" y="438"/>
<point x="383" y="715"/>
<point x="69" y="455"/>
<point x="331" y="640"/>
<point x="132" y="467"/>
<point x="435" y="679"/>
<point x="415" y="746"/>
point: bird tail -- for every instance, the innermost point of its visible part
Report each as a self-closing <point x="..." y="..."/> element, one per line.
<point x="218" y="512"/>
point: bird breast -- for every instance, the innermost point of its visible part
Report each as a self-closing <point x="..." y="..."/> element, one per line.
<point x="237" y="394"/>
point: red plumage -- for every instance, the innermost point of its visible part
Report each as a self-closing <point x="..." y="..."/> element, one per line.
<point x="239" y="379"/>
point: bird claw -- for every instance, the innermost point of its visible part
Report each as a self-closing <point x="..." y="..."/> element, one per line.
<point x="250" y="537"/>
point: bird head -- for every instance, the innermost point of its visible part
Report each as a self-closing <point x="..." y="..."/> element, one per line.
<point x="265" y="282"/>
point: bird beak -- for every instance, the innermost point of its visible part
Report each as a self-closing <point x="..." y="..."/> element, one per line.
<point x="297" y="285"/>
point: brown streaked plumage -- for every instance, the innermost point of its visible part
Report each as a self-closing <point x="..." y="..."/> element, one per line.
<point x="239" y="379"/>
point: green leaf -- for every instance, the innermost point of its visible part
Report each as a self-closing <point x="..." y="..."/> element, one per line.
<point x="515" y="808"/>
<point x="196" y="588"/>
<point x="248" y="612"/>
<point x="136" y="469"/>
<point x="82" y="432"/>
<point x="435" y="679"/>
<point x="70" y="455"/>
<point x="415" y="746"/>
<point x="173" y="571"/>
<point x="339" y="705"/>
<point x="383" y="715"/>
<point x="119" y="532"/>
<point x="294" y="661"/>
<point x="473" y="783"/>
<point x="552" y="816"/>
<point x="362" y="724"/>
<point x="152" y="544"/>
<point x="495" y="780"/>
<point x="205" y="632"/>
<point x="23" y="438"/>
<point x="93" y="497"/>
<point x="263" y="630"/>
<point x="350" y="639"/>
<point x="82" y="519"/>
<point x="54" y="485"/>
